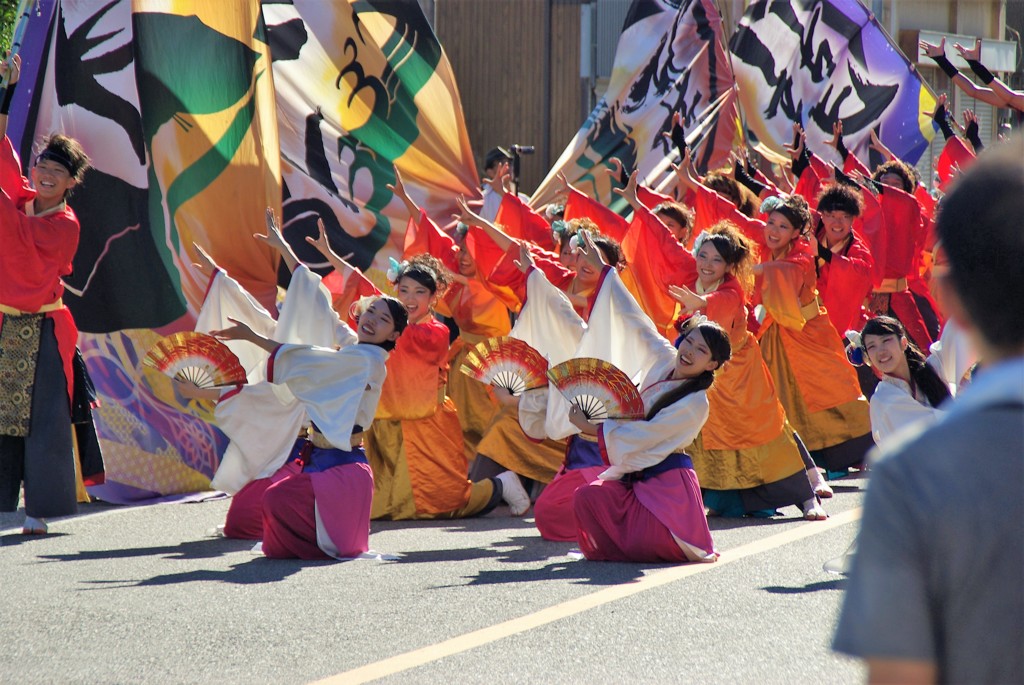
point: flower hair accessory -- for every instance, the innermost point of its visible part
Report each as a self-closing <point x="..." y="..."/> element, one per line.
<point x="394" y="268"/>
<point x="855" y="352"/>
<point x="461" y="229"/>
<point x="772" y="203"/>
<point x="704" y="235"/>
<point x="559" y="227"/>
<point x="553" y="210"/>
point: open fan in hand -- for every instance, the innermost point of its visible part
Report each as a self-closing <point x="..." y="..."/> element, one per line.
<point x="506" y="363"/>
<point x="598" y="388"/>
<point x="194" y="358"/>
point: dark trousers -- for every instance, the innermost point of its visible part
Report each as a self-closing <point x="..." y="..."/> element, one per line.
<point x="44" y="460"/>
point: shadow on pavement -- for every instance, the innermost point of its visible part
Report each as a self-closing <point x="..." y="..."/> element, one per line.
<point x="835" y="584"/>
<point x="255" y="571"/>
<point x="15" y="539"/>
<point x="208" y="548"/>
<point x="582" y="571"/>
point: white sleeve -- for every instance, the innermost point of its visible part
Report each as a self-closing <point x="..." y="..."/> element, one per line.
<point x="308" y="317"/>
<point x="620" y="332"/>
<point x="533" y="408"/>
<point x="634" y="445"/>
<point x="262" y="430"/>
<point x="952" y="355"/>
<point x="548" y="322"/>
<point x="892" y="411"/>
<point x="227" y="298"/>
<point x="338" y="388"/>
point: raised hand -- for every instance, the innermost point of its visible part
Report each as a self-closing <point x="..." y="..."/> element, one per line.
<point x="563" y="188"/>
<point x="629" y="192"/>
<point x="676" y="133"/>
<point x="501" y="181"/>
<point x="837" y="135"/>
<point x="690" y="300"/>
<point x="932" y="50"/>
<point x="686" y="173"/>
<point x="467" y="215"/>
<point x="398" y="188"/>
<point x="10" y="69"/>
<point x="525" y="261"/>
<point x="940" y="107"/>
<point x="323" y="246"/>
<point x="969" y="54"/>
<point x="274" y="238"/>
<point x="588" y="251"/>
<point x="799" y="137"/>
<point x="204" y="263"/>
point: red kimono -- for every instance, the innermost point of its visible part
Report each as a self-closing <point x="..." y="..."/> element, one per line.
<point x="845" y="282"/>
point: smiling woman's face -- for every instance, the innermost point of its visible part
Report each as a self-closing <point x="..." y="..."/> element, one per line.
<point x="779" y="232"/>
<point x="694" y="357"/>
<point x="416" y="297"/>
<point x="376" y="324"/>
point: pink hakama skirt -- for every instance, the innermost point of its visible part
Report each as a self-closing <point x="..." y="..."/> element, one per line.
<point x="245" y="515"/>
<point x="338" y="499"/>
<point x="657" y="520"/>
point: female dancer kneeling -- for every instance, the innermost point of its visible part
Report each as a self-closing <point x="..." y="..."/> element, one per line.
<point x="324" y="510"/>
<point x="646" y="506"/>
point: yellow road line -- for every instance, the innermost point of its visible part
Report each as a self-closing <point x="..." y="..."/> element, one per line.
<point x="478" y="638"/>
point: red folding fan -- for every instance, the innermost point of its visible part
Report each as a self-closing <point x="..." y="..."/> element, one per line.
<point x="600" y="389"/>
<point x="191" y="357"/>
<point x="506" y="363"/>
<point x="197" y="358"/>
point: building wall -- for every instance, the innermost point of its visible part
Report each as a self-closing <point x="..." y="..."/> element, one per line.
<point x="517" y="63"/>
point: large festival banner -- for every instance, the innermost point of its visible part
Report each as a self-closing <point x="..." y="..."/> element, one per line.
<point x="820" y="61"/>
<point x="670" y="58"/>
<point x="173" y="101"/>
<point x="362" y="87"/>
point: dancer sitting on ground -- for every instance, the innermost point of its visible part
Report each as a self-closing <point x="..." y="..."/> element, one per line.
<point x="323" y="511"/>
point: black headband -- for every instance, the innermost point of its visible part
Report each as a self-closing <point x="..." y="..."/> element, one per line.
<point x="58" y="158"/>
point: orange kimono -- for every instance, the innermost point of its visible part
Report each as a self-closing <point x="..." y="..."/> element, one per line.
<point x="816" y="384"/>
<point x="414" y="444"/>
<point x="746" y="443"/>
<point x="479" y="315"/>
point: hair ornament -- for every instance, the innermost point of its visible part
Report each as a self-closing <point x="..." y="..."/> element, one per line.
<point x="553" y="210"/>
<point x="772" y="203"/>
<point x="394" y="268"/>
<point x="855" y="352"/>
<point x="461" y="229"/>
<point x="559" y="227"/>
<point x="699" y="242"/>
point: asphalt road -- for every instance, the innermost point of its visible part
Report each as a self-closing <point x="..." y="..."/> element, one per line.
<point x="146" y="595"/>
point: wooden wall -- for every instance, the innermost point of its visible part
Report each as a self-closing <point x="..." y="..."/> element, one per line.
<point x="513" y="88"/>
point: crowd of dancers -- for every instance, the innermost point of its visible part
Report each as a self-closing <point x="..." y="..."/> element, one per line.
<point x="755" y="313"/>
<point x="726" y="304"/>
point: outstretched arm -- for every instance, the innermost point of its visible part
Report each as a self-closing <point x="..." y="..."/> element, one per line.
<point x="938" y="53"/>
<point x="276" y="240"/>
<point x="1007" y="96"/>
<point x="470" y="218"/>
<point x="323" y="247"/>
<point x="242" y="331"/>
<point x="398" y="188"/>
<point x="10" y="71"/>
